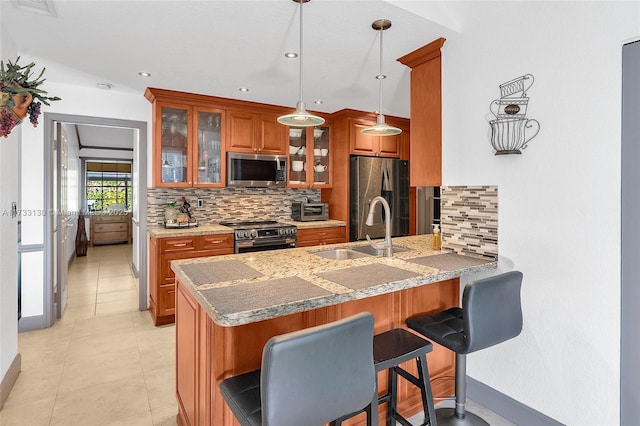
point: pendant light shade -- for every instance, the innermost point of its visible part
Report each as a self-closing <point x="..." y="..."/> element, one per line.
<point x="300" y="117"/>
<point x="381" y="128"/>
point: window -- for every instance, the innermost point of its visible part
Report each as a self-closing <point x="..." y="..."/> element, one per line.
<point x="108" y="186"/>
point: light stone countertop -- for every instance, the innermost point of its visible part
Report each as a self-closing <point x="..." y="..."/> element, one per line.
<point x="282" y="282"/>
<point x="161" y="232"/>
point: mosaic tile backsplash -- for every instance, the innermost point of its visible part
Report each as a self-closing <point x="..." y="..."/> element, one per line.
<point x="469" y="219"/>
<point x="229" y="204"/>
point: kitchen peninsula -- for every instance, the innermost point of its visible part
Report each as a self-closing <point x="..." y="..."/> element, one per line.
<point x="228" y="306"/>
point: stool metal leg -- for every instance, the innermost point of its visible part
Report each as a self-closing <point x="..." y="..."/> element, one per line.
<point x="458" y="416"/>
<point x="430" y="417"/>
<point x="392" y="405"/>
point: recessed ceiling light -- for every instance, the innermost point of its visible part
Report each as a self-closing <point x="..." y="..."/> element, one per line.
<point x="318" y="101"/>
<point x="144" y="74"/>
<point x="291" y="55"/>
<point x="243" y="89"/>
<point x="104" y="85"/>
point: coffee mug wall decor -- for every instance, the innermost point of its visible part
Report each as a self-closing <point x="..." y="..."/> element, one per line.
<point x="511" y="131"/>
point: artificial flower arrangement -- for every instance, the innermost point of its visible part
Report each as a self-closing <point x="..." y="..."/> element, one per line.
<point x="20" y="95"/>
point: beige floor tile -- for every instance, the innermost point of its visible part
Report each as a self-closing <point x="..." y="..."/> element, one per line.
<point x="161" y="386"/>
<point x="74" y="313"/>
<point x="100" y="370"/>
<point x="82" y="300"/>
<point x="43" y="352"/>
<point x="165" y="416"/>
<point x="34" y="385"/>
<point x="142" y="321"/>
<point x="114" y="270"/>
<point x="33" y="414"/>
<point x="82" y="288"/>
<point x="111" y="308"/>
<point x="122" y="402"/>
<point x="156" y="359"/>
<point x="114" y="324"/>
<point x="116" y="284"/>
<point x="98" y="345"/>
<point x="120" y="295"/>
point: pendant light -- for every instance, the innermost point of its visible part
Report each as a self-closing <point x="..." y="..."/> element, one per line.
<point x="300" y="117"/>
<point x="381" y="128"/>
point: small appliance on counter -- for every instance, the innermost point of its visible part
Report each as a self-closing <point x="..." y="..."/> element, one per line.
<point x="179" y="217"/>
<point x="307" y="212"/>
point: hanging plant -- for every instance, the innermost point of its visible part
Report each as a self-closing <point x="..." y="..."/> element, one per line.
<point x="20" y="95"/>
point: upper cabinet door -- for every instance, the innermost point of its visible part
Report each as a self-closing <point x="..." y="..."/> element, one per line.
<point x="375" y="146"/>
<point x="255" y="133"/>
<point x="241" y="131"/>
<point x="171" y="161"/>
<point x="209" y="164"/>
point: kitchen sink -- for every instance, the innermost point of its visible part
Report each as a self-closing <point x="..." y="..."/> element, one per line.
<point x="371" y="251"/>
<point x="340" y="254"/>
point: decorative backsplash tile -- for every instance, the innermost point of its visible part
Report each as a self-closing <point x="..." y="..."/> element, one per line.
<point x="469" y="220"/>
<point x="229" y="204"/>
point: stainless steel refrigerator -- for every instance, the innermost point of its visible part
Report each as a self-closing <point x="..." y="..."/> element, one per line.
<point x="373" y="176"/>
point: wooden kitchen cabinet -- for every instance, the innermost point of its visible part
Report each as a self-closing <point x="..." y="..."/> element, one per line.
<point x="425" y="167"/>
<point x="310" y="148"/>
<point x="109" y="228"/>
<point x="321" y="236"/>
<point x="376" y="146"/>
<point x="188" y="145"/>
<point x="255" y="133"/>
<point x="161" y="277"/>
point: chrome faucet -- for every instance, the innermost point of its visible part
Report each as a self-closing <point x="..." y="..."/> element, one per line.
<point x="386" y="246"/>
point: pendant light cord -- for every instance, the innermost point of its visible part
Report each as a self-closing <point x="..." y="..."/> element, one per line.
<point x="301" y="31"/>
<point x="380" y="76"/>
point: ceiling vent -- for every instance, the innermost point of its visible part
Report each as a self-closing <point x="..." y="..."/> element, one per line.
<point x="43" y="7"/>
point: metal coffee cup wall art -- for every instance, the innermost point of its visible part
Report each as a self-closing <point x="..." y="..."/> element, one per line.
<point x="511" y="130"/>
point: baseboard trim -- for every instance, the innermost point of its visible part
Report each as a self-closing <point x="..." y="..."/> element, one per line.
<point x="505" y="406"/>
<point x="9" y="379"/>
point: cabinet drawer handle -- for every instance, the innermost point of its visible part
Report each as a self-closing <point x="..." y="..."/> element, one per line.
<point x="216" y="241"/>
<point x="180" y="245"/>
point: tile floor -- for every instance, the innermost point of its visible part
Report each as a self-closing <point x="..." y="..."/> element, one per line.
<point x="104" y="362"/>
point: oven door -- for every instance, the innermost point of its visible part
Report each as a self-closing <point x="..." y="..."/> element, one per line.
<point x="263" y="245"/>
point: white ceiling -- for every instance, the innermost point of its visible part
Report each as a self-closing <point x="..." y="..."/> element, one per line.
<point x="214" y="47"/>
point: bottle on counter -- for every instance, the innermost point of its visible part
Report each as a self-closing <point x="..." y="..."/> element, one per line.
<point x="437" y="238"/>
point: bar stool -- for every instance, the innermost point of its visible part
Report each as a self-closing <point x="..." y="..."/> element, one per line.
<point x="390" y="349"/>
<point x="491" y="313"/>
<point x="309" y="377"/>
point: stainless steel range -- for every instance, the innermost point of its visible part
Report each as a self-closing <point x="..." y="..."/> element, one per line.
<point x="262" y="235"/>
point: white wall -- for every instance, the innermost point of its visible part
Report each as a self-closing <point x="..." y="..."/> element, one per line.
<point x="8" y="233"/>
<point x="559" y="202"/>
<point x="76" y="100"/>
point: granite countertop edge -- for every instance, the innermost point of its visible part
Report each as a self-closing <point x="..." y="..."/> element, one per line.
<point x="302" y="259"/>
<point x="212" y="229"/>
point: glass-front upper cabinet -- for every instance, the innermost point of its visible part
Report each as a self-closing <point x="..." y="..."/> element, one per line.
<point x="321" y="151"/>
<point x="309" y="159"/>
<point x="189" y="152"/>
<point x="174" y="146"/>
<point x="298" y="156"/>
<point x="209" y="163"/>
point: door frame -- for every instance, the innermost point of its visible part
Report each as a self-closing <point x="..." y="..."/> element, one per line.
<point x="49" y="128"/>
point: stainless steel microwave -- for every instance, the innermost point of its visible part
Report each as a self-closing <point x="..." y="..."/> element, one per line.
<point x="258" y="170"/>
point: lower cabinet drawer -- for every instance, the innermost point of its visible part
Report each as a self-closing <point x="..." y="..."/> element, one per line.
<point x="177" y="244"/>
<point x="216" y="242"/>
<point x="111" y="227"/>
<point x="167" y="300"/>
<point x="110" y="236"/>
